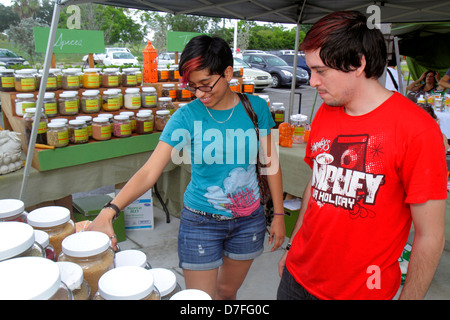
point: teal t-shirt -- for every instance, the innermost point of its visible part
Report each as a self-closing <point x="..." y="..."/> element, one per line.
<point x="222" y="155"/>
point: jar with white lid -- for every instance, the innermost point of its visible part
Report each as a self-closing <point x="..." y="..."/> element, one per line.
<point x="92" y="251"/>
<point x="191" y="294"/>
<point x="120" y="94"/>
<point x="149" y="97"/>
<point x="32" y="278"/>
<point x="162" y="116"/>
<point x="91" y="78"/>
<point x="78" y="132"/>
<point x="50" y="105"/>
<point x="57" y="134"/>
<point x="248" y="86"/>
<point x="138" y="76"/>
<point x="54" y="220"/>
<point x="165" y="103"/>
<point x="131" y="257"/>
<point x="17" y="240"/>
<point x="12" y="210"/>
<point x="277" y="112"/>
<point x="298" y="122"/>
<point x="25" y="80"/>
<point x="7" y="80"/>
<point x="88" y="121"/>
<point x="132" y="98"/>
<point x="168" y="90"/>
<point x="72" y="276"/>
<point x="70" y="79"/>
<point x="234" y="85"/>
<point x="52" y="80"/>
<point x="163" y="74"/>
<point x="144" y="122"/>
<point x="43" y="239"/>
<point x="127" y="283"/>
<point x="108" y="116"/>
<point x="101" y="129"/>
<point x="28" y="123"/>
<point x="63" y="120"/>
<point x="132" y="118"/>
<point x="129" y="77"/>
<point x="68" y="104"/>
<point x="24" y="101"/>
<point x="90" y="101"/>
<point x="110" y="78"/>
<point x="183" y="94"/>
<point x="174" y="73"/>
<point x="165" y="282"/>
<point x="121" y="126"/>
<point x="110" y="100"/>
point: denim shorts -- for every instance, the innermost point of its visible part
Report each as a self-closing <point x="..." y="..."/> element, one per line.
<point x="202" y="240"/>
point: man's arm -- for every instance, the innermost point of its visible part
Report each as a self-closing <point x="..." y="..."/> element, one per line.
<point x="428" y="244"/>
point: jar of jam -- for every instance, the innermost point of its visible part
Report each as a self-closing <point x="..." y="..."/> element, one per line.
<point x="90" y="101"/>
<point x="91" y="78"/>
<point x="57" y="134"/>
<point x="70" y="79"/>
<point x="110" y="100"/>
<point x="52" y="80"/>
<point x="92" y="252"/>
<point x="162" y="116"/>
<point x="7" y="80"/>
<point x="149" y="97"/>
<point x="110" y="78"/>
<point x="32" y="278"/>
<point x="127" y="283"/>
<point x="132" y="98"/>
<point x="72" y="276"/>
<point x="12" y="210"/>
<point x="25" y="80"/>
<point x="165" y="103"/>
<point x="144" y="122"/>
<point x="163" y="74"/>
<point x="28" y="122"/>
<point x="165" y="282"/>
<point x="129" y="77"/>
<point x="68" y="103"/>
<point x="121" y="126"/>
<point x="168" y="90"/>
<point x="24" y="101"/>
<point x="78" y="132"/>
<point x="17" y="240"/>
<point x="248" y="86"/>
<point x="131" y="257"/>
<point x="54" y="220"/>
<point x="43" y="239"/>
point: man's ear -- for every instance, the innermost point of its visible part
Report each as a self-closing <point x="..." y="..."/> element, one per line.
<point x="360" y="70"/>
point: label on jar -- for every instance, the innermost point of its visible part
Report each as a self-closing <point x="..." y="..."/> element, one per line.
<point x="81" y="134"/>
<point x="92" y="81"/>
<point x="150" y="100"/>
<point x="136" y="102"/>
<point x="42" y="128"/>
<point x="26" y="105"/>
<point x="131" y="80"/>
<point x="92" y="105"/>
<point x="125" y="129"/>
<point x="8" y="82"/>
<point x="248" y="88"/>
<point x="52" y="82"/>
<point x="186" y="94"/>
<point x="63" y="137"/>
<point x="50" y="108"/>
<point x="28" y="84"/>
<point x="105" y="132"/>
<point x="73" y="81"/>
<point x="113" y="81"/>
<point x="113" y="103"/>
<point x="299" y="131"/>
<point x="148" y="126"/>
<point x="71" y="106"/>
<point x="279" y="117"/>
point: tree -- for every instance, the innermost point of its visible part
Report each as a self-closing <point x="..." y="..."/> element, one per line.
<point x="26" y="8"/>
<point x="7" y="17"/>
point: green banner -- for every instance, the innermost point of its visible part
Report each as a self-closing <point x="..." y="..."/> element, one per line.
<point x="70" y="41"/>
<point x="176" y="41"/>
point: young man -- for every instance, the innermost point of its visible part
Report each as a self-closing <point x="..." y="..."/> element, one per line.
<point x="378" y="164"/>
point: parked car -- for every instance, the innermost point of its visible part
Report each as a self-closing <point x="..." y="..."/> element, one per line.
<point x="281" y="72"/>
<point x="166" y="58"/>
<point x="120" y="58"/>
<point x="301" y="63"/>
<point x="9" y="59"/>
<point x="260" y="78"/>
<point x="98" y="57"/>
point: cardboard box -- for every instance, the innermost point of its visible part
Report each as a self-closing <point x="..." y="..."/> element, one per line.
<point x="139" y="214"/>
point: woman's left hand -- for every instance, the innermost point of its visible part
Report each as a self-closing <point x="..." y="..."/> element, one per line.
<point x="277" y="232"/>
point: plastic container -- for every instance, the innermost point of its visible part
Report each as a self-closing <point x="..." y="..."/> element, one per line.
<point x="278" y="112"/>
<point x="127" y="283"/>
<point x="131" y="258"/>
<point x="88" y="121"/>
<point x="17" y="240"/>
<point x="70" y="79"/>
<point x="32" y="278"/>
<point x="183" y="94"/>
<point x="68" y="104"/>
<point x="121" y="126"/>
<point x="191" y="294"/>
<point x="144" y="123"/>
<point x="132" y="118"/>
<point x="43" y="239"/>
<point x="90" y="101"/>
<point x="234" y="85"/>
<point x="55" y="221"/>
<point x="28" y="122"/>
<point x="57" y="134"/>
<point x="163" y="74"/>
<point x="91" y="78"/>
<point x="165" y="282"/>
<point x="101" y="129"/>
<point x="78" y="132"/>
<point x="248" y="86"/>
<point x="165" y="103"/>
<point x="24" y="101"/>
<point x="298" y="122"/>
<point x="12" y="210"/>
<point x="52" y="80"/>
<point x="25" y="80"/>
<point x="110" y="78"/>
<point x="108" y="116"/>
<point x="120" y="94"/>
<point x="92" y="252"/>
<point x="72" y="276"/>
<point x="7" y="80"/>
<point x="129" y="77"/>
<point x="162" y="116"/>
<point x="50" y="105"/>
<point x="174" y="73"/>
<point x="132" y="98"/>
<point x="110" y="100"/>
<point x="168" y="90"/>
<point x="149" y="97"/>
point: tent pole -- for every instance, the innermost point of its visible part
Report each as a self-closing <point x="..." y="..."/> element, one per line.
<point x="294" y="72"/>
<point x="399" y="69"/>
<point x="40" y="99"/>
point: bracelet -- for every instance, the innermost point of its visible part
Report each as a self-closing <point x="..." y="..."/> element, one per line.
<point x="115" y="208"/>
<point x="278" y="214"/>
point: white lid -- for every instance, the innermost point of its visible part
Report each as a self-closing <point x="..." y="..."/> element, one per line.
<point x="85" y="244"/>
<point x="24" y="95"/>
<point x="165" y="280"/>
<point x="145" y="111"/>
<point x="90" y="93"/>
<point x="113" y="91"/>
<point x="15" y="238"/>
<point x="121" y="117"/>
<point x="277" y="103"/>
<point x="128" y="69"/>
<point x="191" y="294"/>
<point x="132" y="90"/>
<point x="85" y="118"/>
<point x="30" y="110"/>
<point x="11" y="207"/>
<point x="6" y="70"/>
<point x="110" y="91"/>
<point x="111" y="70"/>
<point x="126" y="283"/>
<point x="168" y="85"/>
<point x="42" y="238"/>
<point x="26" y="71"/>
<point x="71" y="274"/>
<point x="148" y="89"/>
<point x="105" y="115"/>
<point x="127" y="113"/>
<point x="130" y="258"/>
<point x="91" y="70"/>
<point x="28" y="278"/>
<point x="71" y="70"/>
<point x="49" y="95"/>
<point x="62" y="120"/>
<point x="48" y="216"/>
<point x="165" y="99"/>
<point x="100" y="119"/>
<point x="143" y="114"/>
<point x="163" y="112"/>
<point x="68" y="94"/>
<point x="77" y="122"/>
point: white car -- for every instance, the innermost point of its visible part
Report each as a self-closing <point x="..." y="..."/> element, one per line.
<point x="120" y="58"/>
<point x="261" y="78"/>
<point x="166" y="58"/>
<point x="98" y="57"/>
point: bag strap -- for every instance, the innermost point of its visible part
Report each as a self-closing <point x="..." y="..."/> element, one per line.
<point x="251" y="113"/>
<point x="392" y="78"/>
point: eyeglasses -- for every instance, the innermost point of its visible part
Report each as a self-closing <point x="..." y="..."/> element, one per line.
<point x="203" y="88"/>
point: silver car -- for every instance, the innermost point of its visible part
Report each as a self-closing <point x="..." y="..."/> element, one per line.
<point x="261" y="78"/>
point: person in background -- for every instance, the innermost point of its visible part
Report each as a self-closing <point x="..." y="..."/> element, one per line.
<point x="444" y="83"/>
<point x="392" y="82"/>
<point x="430" y="81"/>
<point x="375" y="171"/>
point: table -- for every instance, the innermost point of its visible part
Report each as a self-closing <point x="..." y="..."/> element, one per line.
<point x="444" y="118"/>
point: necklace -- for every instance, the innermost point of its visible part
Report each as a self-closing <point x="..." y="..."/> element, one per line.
<point x="229" y="117"/>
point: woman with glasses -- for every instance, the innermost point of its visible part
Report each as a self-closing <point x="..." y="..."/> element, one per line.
<point x="222" y="223"/>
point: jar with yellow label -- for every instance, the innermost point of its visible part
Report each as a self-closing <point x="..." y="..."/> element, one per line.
<point x="101" y="129"/>
<point x="78" y="132"/>
<point x="7" y="80"/>
<point x="57" y="134"/>
<point x="52" y="80"/>
<point x="129" y="77"/>
<point x="24" y="101"/>
<point x="25" y="80"/>
<point x="88" y="121"/>
<point x="90" y="101"/>
<point x="149" y="97"/>
<point x="165" y="103"/>
<point x="132" y="98"/>
<point x="110" y="100"/>
<point x="68" y="104"/>
<point x="132" y="117"/>
<point x="110" y="78"/>
<point x="50" y="105"/>
<point x="121" y="126"/>
<point x="28" y="122"/>
<point x="144" y="122"/>
<point x="91" y="78"/>
<point x="70" y="79"/>
<point x="138" y="76"/>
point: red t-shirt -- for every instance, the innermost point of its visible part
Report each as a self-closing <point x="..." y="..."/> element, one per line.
<point x="366" y="171"/>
